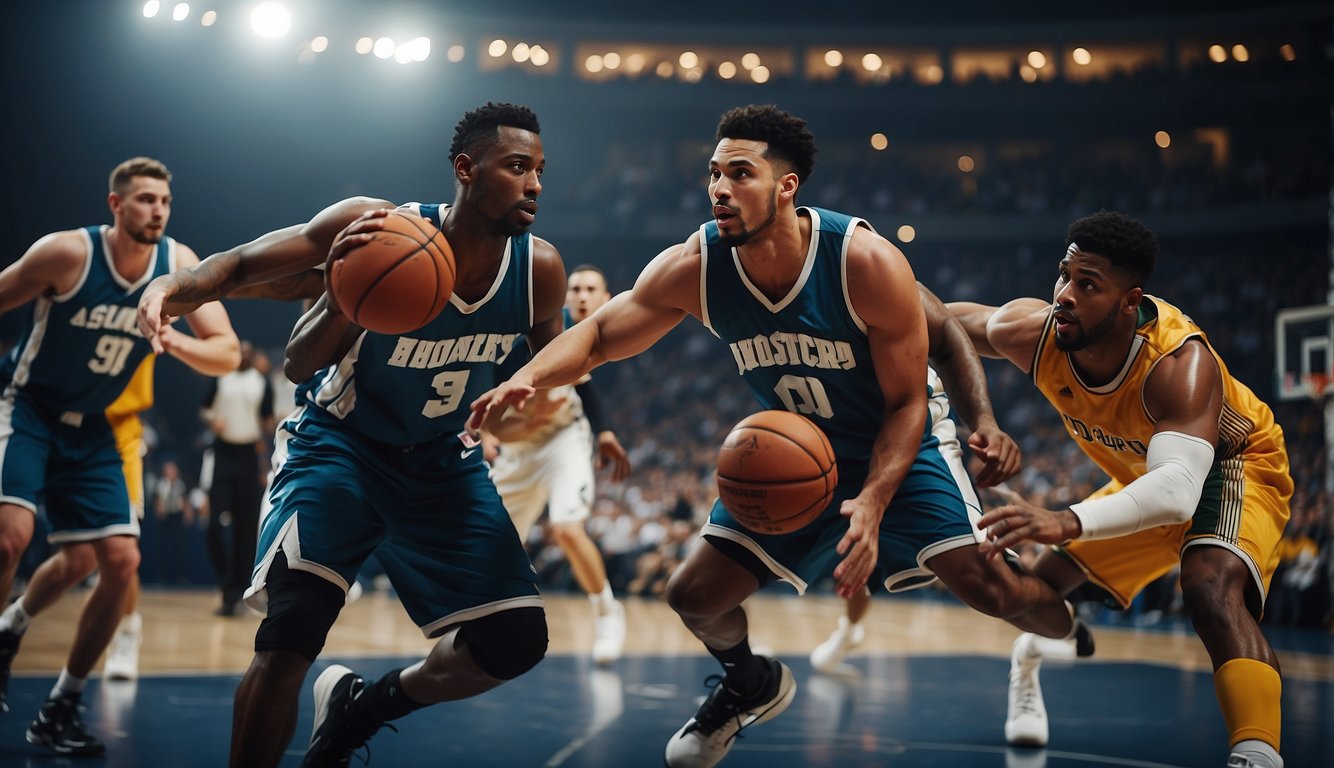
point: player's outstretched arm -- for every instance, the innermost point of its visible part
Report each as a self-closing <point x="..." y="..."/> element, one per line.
<point x="884" y="294"/>
<point x="50" y="266"/>
<point x="214" y="349"/>
<point x="1010" y="331"/>
<point x="955" y="359"/>
<point x="277" y="254"/>
<point x="623" y="327"/>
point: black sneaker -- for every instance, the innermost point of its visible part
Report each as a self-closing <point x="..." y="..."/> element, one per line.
<point x="339" y="729"/>
<point x="9" y="648"/>
<point x="707" y="737"/>
<point x="59" y="727"/>
<point x="1083" y="639"/>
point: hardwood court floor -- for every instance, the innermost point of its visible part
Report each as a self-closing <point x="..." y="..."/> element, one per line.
<point x="927" y="689"/>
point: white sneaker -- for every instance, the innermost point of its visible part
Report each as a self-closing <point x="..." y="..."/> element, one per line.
<point x="610" y="634"/>
<point x="123" y="653"/>
<point x="707" y="737"/>
<point x="1253" y="754"/>
<point x="828" y="655"/>
<point x="1026" y="718"/>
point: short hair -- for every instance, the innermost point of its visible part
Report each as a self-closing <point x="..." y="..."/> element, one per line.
<point x="136" y="166"/>
<point x="1130" y="246"/>
<point x="478" y="130"/>
<point x="591" y="268"/>
<point x="786" y="134"/>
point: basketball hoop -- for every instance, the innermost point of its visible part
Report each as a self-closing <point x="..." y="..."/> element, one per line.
<point x="1317" y="383"/>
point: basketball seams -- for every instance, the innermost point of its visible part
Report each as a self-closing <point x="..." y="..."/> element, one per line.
<point x="443" y="254"/>
<point x="370" y="276"/>
<point x="387" y="271"/>
<point x="817" y="489"/>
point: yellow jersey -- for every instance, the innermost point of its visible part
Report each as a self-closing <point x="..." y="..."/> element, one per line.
<point x="138" y="394"/>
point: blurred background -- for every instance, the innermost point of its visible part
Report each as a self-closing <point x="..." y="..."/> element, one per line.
<point x="969" y="136"/>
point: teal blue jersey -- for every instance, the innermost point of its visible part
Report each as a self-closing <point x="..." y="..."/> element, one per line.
<point x="806" y="353"/>
<point x="410" y="388"/>
<point x="81" y="347"/>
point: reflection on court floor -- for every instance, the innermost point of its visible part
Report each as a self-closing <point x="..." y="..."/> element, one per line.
<point x="888" y="710"/>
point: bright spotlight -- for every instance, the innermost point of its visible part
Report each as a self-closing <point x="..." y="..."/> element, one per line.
<point x="151" y="8"/>
<point x="455" y="53"/>
<point x="539" y="56"/>
<point x="1037" y="59"/>
<point x="879" y="141"/>
<point x="270" y="20"/>
<point x="364" y="45"/>
<point x="497" y="48"/>
<point x="593" y="63"/>
<point x="760" y="74"/>
<point x="871" y="62"/>
<point x="611" y="60"/>
<point x="688" y="60"/>
<point x="383" y="48"/>
<point x="1163" y="139"/>
<point x="319" y="44"/>
<point x="727" y="70"/>
<point x="520" y="52"/>
<point x="180" y="12"/>
<point x="403" y="54"/>
<point x="421" y="48"/>
<point x="1081" y="56"/>
<point x="208" y="19"/>
<point x="1240" y="53"/>
<point x="833" y="58"/>
<point x="907" y="233"/>
<point x="750" y="61"/>
<point x="1217" y="53"/>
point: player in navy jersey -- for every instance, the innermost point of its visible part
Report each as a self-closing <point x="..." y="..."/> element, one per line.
<point x="821" y="316"/>
<point x="374" y="461"/>
<point x="80" y="349"/>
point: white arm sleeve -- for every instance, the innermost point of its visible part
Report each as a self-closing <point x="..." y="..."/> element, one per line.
<point x="1165" y="495"/>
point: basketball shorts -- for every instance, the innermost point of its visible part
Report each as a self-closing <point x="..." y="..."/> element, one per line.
<point x="1244" y="508"/>
<point x="129" y="432"/>
<point x="935" y="510"/>
<point x="430" y="514"/>
<point x="69" y="463"/>
<point x="556" y="473"/>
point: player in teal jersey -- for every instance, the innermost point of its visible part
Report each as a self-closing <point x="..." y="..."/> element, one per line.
<point x="56" y="446"/>
<point x="373" y="461"/>
<point x="822" y="317"/>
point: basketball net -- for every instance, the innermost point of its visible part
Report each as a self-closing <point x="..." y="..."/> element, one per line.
<point x="1318" y="383"/>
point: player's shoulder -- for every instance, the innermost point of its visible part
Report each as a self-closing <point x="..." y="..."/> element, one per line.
<point x="57" y="250"/>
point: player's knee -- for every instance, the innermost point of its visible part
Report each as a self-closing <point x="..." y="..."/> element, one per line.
<point x="689" y="594"/>
<point x="504" y="645"/>
<point x="302" y="608"/>
<point x="568" y="534"/>
<point x="119" y="559"/>
<point x="990" y="598"/>
<point x="13" y="543"/>
<point x="77" y="562"/>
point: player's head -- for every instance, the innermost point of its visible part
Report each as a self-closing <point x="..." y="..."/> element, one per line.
<point x="585" y="291"/>
<point x="498" y="164"/>
<point x="140" y="198"/>
<point x="763" y="155"/>
<point x="1108" y="258"/>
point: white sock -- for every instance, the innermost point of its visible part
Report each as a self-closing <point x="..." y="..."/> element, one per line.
<point x="14" y="618"/>
<point x="131" y="623"/>
<point x="602" y="601"/>
<point x="1254" y="748"/>
<point x="68" y="684"/>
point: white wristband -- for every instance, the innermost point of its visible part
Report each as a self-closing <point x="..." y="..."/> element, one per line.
<point x="1165" y="495"/>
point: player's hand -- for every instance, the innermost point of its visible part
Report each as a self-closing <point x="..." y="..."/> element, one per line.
<point x="1020" y="521"/>
<point x="490" y="448"/>
<point x="860" y="546"/>
<point x="362" y="230"/>
<point x="513" y="393"/>
<point x="152" y="317"/>
<point x="612" y="454"/>
<point x="1000" y="455"/>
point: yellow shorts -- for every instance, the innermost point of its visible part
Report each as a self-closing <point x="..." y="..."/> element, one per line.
<point x="1244" y="508"/>
<point x="129" y="431"/>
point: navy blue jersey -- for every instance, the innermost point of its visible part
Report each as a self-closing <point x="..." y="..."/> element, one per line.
<point x="414" y="387"/>
<point x="806" y="353"/>
<point x="82" y="347"/>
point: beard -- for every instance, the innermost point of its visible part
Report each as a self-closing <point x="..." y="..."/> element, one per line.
<point x="141" y="236"/>
<point x="1089" y="337"/>
<point x="732" y="241"/>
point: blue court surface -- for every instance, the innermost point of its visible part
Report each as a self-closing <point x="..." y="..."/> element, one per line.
<point x="901" y="711"/>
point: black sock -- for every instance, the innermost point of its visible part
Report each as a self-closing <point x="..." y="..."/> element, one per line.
<point x="385" y="700"/>
<point x="745" y="670"/>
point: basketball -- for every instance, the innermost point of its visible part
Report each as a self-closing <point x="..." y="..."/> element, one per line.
<point x="399" y="281"/>
<point x="776" y="472"/>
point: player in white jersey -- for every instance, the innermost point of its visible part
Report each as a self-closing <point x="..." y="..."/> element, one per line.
<point x="547" y="463"/>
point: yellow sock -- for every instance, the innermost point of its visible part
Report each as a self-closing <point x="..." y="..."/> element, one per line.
<point x="1249" y="692"/>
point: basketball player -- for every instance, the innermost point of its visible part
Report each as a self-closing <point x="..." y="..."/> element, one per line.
<point x="373" y="462"/>
<point x="79" y="352"/>
<point x="547" y="462"/>
<point x="822" y="317"/>
<point x="1198" y="466"/>
<point x="965" y="382"/>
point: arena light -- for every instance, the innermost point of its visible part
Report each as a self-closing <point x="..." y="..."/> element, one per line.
<point x="932" y="74"/>
<point x="384" y="47"/>
<point x="693" y="75"/>
<point x="151" y="8"/>
<point x="1287" y="52"/>
<point x="1081" y="56"/>
<point x="319" y="44"/>
<point x="611" y="60"/>
<point x="1028" y="74"/>
<point x="833" y="58"/>
<point x="760" y="74"/>
<point x="1217" y="54"/>
<point x="1163" y="139"/>
<point x="455" y="53"/>
<point x="879" y="141"/>
<point x="664" y="69"/>
<point x="364" y="45"/>
<point x="750" y="61"/>
<point x="539" y="56"/>
<point x="727" y="70"/>
<point x="1037" y="59"/>
<point x="419" y="48"/>
<point x="966" y="163"/>
<point x="634" y="63"/>
<point x="907" y="234"/>
<point x="871" y="62"/>
<point x="270" y="20"/>
<point x="593" y="64"/>
<point x="688" y="60"/>
<point x="180" y="12"/>
<point x="519" y="52"/>
<point x="208" y="19"/>
<point x="1240" y="53"/>
<point x="497" y="48"/>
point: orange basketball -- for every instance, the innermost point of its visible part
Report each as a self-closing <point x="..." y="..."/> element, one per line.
<point x="776" y="472"/>
<point x="399" y="281"/>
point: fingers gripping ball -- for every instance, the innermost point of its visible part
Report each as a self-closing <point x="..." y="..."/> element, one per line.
<point x="776" y="472"/>
<point x="399" y="281"/>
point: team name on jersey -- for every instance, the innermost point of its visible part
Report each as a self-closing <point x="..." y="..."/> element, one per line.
<point x="473" y="348"/>
<point x="786" y="348"/>
<point x="1096" y="434"/>
<point x="107" y="317"/>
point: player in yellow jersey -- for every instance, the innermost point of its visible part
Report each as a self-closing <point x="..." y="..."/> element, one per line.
<point x="1198" y="466"/>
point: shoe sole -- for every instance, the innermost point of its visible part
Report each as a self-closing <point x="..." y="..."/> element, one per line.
<point x="42" y="741"/>
<point x="324" y="685"/>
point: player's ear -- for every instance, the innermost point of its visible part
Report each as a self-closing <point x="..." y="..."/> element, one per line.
<point x="1133" y="298"/>
<point x="463" y="167"/>
<point x="787" y="185"/>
